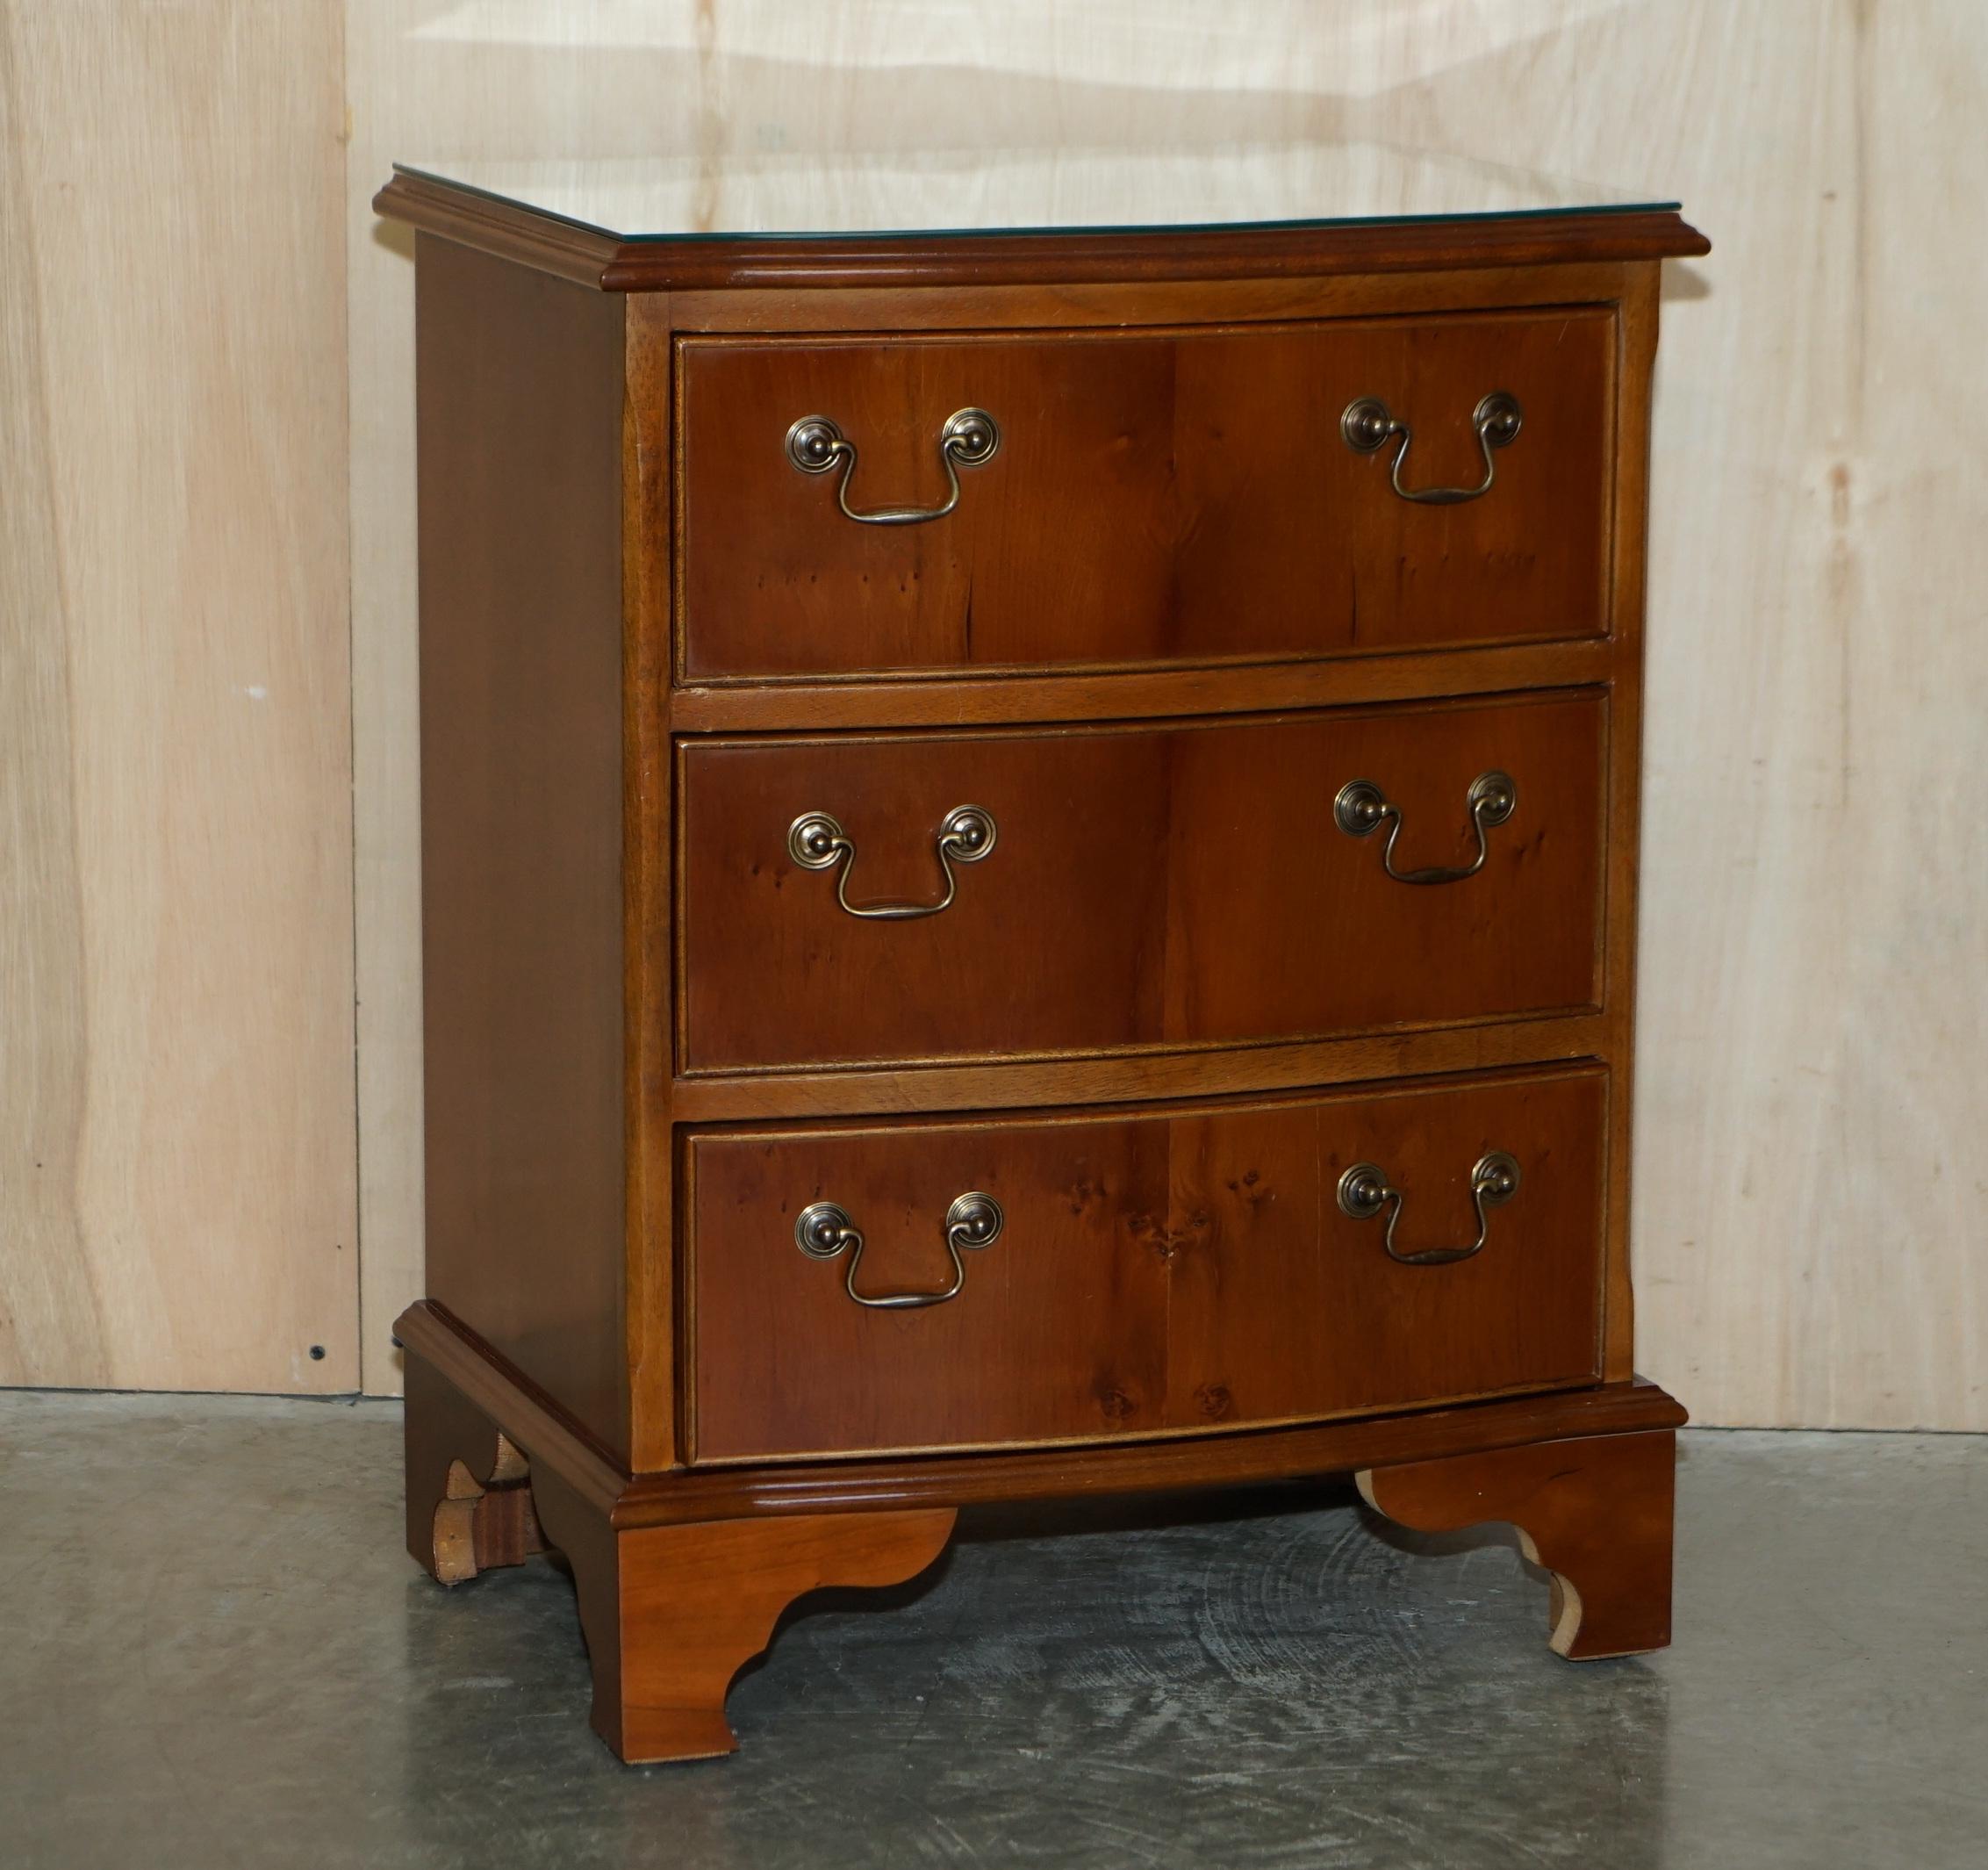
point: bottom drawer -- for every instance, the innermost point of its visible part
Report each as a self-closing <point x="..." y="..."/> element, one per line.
<point x="1175" y="1267"/>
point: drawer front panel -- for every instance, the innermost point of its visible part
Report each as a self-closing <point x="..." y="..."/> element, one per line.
<point x="1146" y="888"/>
<point x="1154" y="498"/>
<point x="1192" y="1268"/>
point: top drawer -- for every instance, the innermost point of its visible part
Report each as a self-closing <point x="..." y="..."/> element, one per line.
<point x="1155" y="497"/>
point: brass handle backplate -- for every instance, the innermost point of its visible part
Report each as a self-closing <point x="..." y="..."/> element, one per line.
<point x="817" y="841"/>
<point x="969" y="438"/>
<point x="1366" y="425"/>
<point x="1364" y="1189"/>
<point x="1361" y="808"/>
<point x="823" y="1230"/>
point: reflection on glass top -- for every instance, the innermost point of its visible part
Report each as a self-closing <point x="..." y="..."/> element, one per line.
<point x="787" y="194"/>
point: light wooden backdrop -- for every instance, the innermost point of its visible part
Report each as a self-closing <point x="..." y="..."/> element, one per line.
<point x="177" y="1195"/>
<point x="1812" y="1174"/>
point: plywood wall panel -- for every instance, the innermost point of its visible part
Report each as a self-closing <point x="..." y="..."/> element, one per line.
<point x="176" y="1146"/>
<point x="1814" y="1021"/>
<point x="1814" y="1094"/>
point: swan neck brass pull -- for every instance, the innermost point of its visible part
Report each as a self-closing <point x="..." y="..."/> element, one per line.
<point x="817" y="841"/>
<point x="823" y="1230"/>
<point x="1364" y="1189"/>
<point x="1366" y="425"/>
<point x="1361" y="808"/>
<point x="970" y="438"/>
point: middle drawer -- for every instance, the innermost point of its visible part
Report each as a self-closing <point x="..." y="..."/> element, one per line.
<point x="1046" y="892"/>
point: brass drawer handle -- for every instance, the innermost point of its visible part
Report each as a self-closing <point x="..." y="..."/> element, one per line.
<point x="1367" y="426"/>
<point x="1364" y="1190"/>
<point x="822" y="1230"/>
<point x="970" y="438"/>
<point x="1361" y="808"/>
<point x="817" y="841"/>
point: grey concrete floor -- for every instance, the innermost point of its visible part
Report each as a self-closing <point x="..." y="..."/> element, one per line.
<point x="214" y="1653"/>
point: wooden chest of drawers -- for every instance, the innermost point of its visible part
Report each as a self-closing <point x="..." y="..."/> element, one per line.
<point x="1029" y="863"/>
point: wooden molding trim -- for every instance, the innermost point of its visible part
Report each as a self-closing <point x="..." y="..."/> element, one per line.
<point x="498" y="228"/>
<point x="968" y="698"/>
<point x="1290" y="1453"/>
<point x="939" y="1087"/>
<point x="683" y="1496"/>
<point x="589" y="257"/>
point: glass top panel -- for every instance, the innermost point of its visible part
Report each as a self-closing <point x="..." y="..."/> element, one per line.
<point x="790" y="195"/>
